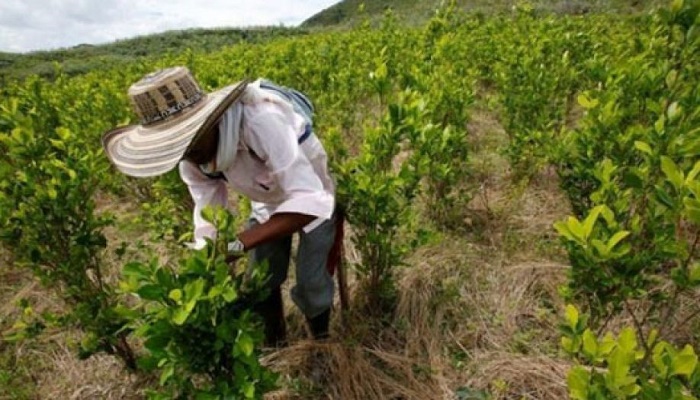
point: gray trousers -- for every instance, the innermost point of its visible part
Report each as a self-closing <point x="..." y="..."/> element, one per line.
<point x="313" y="292"/>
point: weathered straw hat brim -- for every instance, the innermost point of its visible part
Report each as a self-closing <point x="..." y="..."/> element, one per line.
<point x="152" y="150"/>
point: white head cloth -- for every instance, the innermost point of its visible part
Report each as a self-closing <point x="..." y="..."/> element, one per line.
<point x="230" y="125"/>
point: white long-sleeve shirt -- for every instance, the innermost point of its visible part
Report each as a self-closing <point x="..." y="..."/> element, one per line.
<point x="271" y="168"/>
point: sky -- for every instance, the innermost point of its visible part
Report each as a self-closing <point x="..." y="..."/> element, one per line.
<point x="27" y="25"/>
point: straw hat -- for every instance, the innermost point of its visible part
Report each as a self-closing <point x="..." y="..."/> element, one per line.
<point x="173" y="112"/>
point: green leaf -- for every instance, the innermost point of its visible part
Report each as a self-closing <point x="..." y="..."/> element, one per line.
<point x="651" y="338"/>
<point x="685" y="362"/>
<point x="586" y="102"/>
<point x="181" y="313"/>
<point x="606" y="345"/>
<point x="229" y="294"/>
<point x="690" y="143"/>
<point x="673" y="173"/>
<point x="664" y="198"/>
<point x="608" y="215"/>
<point x="616" y="238"/>
<point x="564" y="230"/>
<point x="576" y="228"/>
<point x="693" y="173"/>
<point x="633" y="180"/>
<point x="643" y="146"/>
<point x="674" y="111"/>
<point x="695" y="273"/>
<point x="215" y="292"/>
<point x="157" y="343"/>
<point x="194" y="290"/>
<point x="166" y="374"/>
<point x="590" y="221"/>
<point x="136" y="269"/>
<point x="572" y="316"/>
<point x="677" y="5"/>
<point x="249" y="390"/>
<point x="659" y="125"/>
<point x="245" y="344"/>
<point x="175" y="294"/>
<point x="59" y="144"/>
<point x="590" y="344"/>
<point x="150" y="292"/>
<point x="568" y="345"/>
<point x="209" y="214"/>
<point x="64" y="134"/>
<point x="692" y="210"/>
<point x="627" y="340"/>
<point x="578" y="382"/>
<point x="602" y="248"/>
<point x="619" y="364"/>
<point x="196" y="265"/>
<point x="658" y="358"/>
<point x="671" y="78"/>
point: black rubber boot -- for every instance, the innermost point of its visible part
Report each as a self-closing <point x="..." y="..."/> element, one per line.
<point x="319" y="325"/>
<point x="272" y="312"/>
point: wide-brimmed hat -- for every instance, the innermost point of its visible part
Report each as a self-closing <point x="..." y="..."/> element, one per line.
<point x="173" y="112"/>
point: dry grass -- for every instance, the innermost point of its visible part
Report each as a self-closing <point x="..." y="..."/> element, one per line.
<point x="504" y="314"/>
<point x="511" y="376"/>
<point x="345" y="371"/>
<point x="63" y="376"/>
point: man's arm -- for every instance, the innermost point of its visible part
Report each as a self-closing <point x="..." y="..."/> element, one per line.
<point x="278" y="226"/>
<point x="205" y="192"/>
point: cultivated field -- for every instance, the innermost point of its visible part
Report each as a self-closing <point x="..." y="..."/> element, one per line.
<point x="523" y="203"/>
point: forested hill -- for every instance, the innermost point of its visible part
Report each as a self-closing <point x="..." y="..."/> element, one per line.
<point x="348" y="12"/>
<point x="85" y="57"/>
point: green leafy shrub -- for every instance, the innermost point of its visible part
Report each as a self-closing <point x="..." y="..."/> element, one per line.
<point x="195" y="321"/>
<point x="644" y="100"/>
<point x="378" y="189"/>
<point x="636" y="167"/>
<point x="622" y="368"/>
<point x="49" y="224"/>
<point x="621" y="260"/>
<point x="537" y="73"/>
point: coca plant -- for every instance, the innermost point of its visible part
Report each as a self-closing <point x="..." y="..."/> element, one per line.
<point x="378" y="194"/>
<point x="620" y="367"/>
<point x="637" y="150"/>
<point x="49" y="223"/>
<point x="537" y="73"/>
<point x="634" y="181"/>
<point x="194" y="319"/>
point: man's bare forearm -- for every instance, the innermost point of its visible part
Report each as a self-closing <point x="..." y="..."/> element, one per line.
<point x="278" y="226"/>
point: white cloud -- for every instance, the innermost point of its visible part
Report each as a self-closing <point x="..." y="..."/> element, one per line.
<point x="27" y="25"/>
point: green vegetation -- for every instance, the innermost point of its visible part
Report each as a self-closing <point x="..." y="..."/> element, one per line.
<point x="195" y="321"/>
<point x="602" y="108"/>
<point x="351" y="12"/>
<point x="86" y="57"/>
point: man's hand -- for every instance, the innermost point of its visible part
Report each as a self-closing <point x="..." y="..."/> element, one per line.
<point x="231" y="260"/>
<point x="278" y="226"/>
<point x="236" y="250"/>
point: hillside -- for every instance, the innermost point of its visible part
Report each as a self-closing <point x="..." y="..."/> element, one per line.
<point x="348" y="12"/>
<point x="85" y="57"/>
